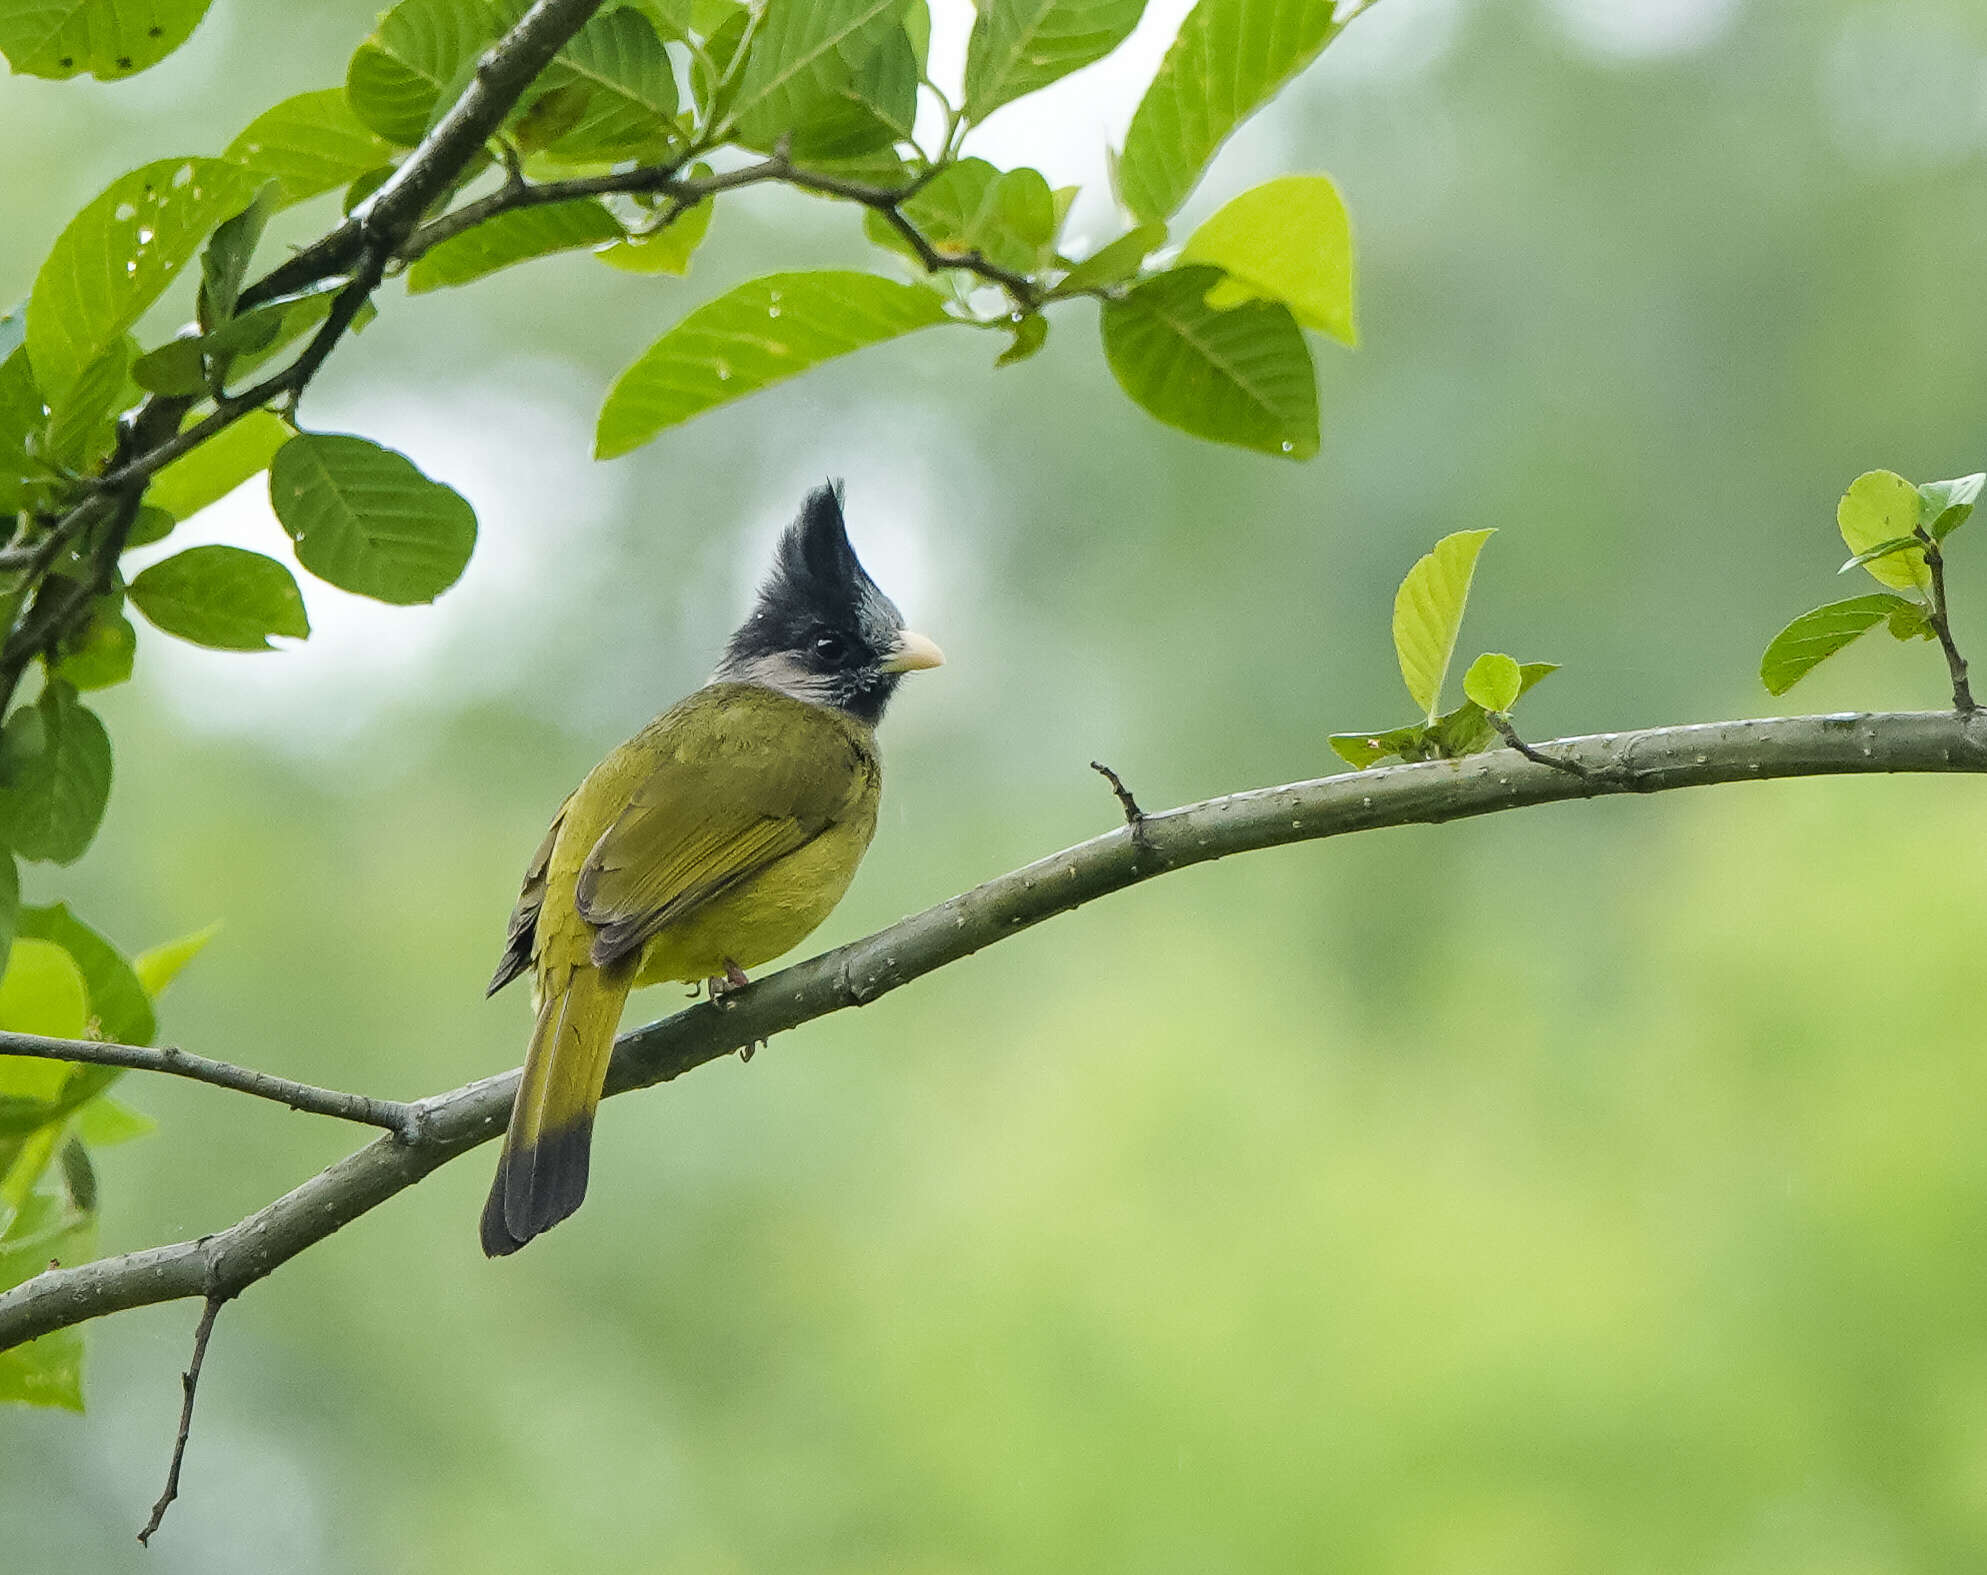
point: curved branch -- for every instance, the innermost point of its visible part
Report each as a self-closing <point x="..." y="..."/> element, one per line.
<point x="447" y="1125"/>
<point x="389" y="1113"/>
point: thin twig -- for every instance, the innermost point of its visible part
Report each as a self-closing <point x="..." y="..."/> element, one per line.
<point x="1651" y="761"/>
<point x="190" y="1382"/>
<point x="1504" y="730"/>
<point x="1936" y="615"/>
<point x="392" y="1114"/>
<point x="1134" y="816"/>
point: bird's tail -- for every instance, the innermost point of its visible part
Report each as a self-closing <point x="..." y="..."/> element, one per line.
<point x="542" y="1175"/>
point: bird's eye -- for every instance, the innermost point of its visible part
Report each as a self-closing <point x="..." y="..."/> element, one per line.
<point x="828" y="648"/>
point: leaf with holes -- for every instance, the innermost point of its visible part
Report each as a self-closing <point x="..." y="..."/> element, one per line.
<point x="117" y="256"/>
<point x="1242" y="376"/>
<point x="1428" y="612"/>
<point x="1286" y="240"/>
<point x="1018" y="46"/>
<point x="1230" y="58"/>
<point x="758" y="334"/>
<point x="54" y="776"/>
<point x="366" y="520"/>
<point x="514" y="237"/>
<point x="107" y="38"/>
<point x="226" y="598"/>
<point x="308" y="145"/>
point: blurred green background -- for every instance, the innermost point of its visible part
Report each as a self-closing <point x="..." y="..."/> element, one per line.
<point x="1600" y="1188"/>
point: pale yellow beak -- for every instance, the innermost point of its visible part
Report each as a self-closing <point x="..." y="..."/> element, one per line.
<point x="914" y="653"/>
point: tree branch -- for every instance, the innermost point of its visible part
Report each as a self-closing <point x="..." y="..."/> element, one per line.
<point x="1431" y="792"/>
<point x="395" y="1116"/>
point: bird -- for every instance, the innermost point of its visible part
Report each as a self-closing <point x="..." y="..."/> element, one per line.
<point x="714" y="840"/>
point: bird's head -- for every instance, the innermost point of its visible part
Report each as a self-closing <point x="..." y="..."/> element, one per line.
<point x="821" y="631"/>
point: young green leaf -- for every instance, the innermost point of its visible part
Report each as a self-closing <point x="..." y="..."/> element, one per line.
<point x="1428" y="611"/>
<point x="229" y="251"/>
<point x="42" y="992"/>
<point x="629" y="107"/>
<point x="104" y="1121"/>
<point x="1879" y="507"/>
<point x="100" y="654"/>
<point x="365" y="519"/>
<point x="1883" y="549"/>
<point x="1008" y="217"/>
<point x="210" y="472"/>
<point x="226" y="598"/>
<point x="54" y="776"/>
<point x="1494" y="682"/>
<point x="803" y="78"/>
<point x="1910" y="621"/>
<point x="1286" y="240"/>
<point x="80" y="425"/>
<point x="667" y="250"/>
<point x="514" y="237"/>
<point x="23" y="422"/>
<point x="107" y="38"/>
<point x="308" y="145"/>
<point x="397" y="77"/>
<point x="158" y="966"/>
<point x="1242" y="376"/>
<point x="1943" y="506"/>
<point x="47" y="1371"/>
<point x="758" y="334"/>
<point x="1030" y="334"/>
<point x="1815" y="636"/>
<point x="1361" y="750"/>
<point x="1230" y="58"/>
<point x="1114" y="262"/>
<point x="1018" y="46"/>
<point x="118" y="254"/>
<point x="10" y="904"/>
<point x="118" y="1003"/>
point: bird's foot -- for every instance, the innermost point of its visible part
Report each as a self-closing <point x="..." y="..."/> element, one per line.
<point x="734" y="979"/>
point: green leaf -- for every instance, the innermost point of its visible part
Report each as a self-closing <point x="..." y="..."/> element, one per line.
<point x="1113" y="263"/>
<point x="1242" y="376"/>
<point x="417" y="52"/>
<point x="1882" y="549"/>
<point x="23" y="422"/>
<point x="758" y="334"/>
<point x="151" y="525"/>
<point x="1286" y="240"/>
<point x="210" y="472"/>
<point x="118" y="1004"/>
<point x="101" y="654"/>
<point x="1018" y="46"/>
<point x="1911" y="621"/>
<point x="1815" y="636"/>
<point x="160" y="965"/>
<point x="1231" y="57"/>
<point x="104" y="1121"/>
<point x="365" y="519"/>
<point x="1879" y="507"/>
<point x="716" y="71"/>
<point x="80" y="426"/>
<point x="630" y="104"/>
<point x="802" y="72"/>
<point x="188" y="365"/>
<point x="1494" y="682"/>
<point x="514" y="237"/>
<point x="1030" y="334"/>
<point x="308" y="145"/>
<point x="107" y="38"/>
<point x="118" y="254"/>
<point x="54" y="776"/>
<point x="42" y="992"/>
<point x="1428" y="611"/>
<point x="1361" y="750"/>
<point x="669" y="249"/>
<point x="47" y="1371"/>
<point x="226" y="598"/>
<point x="1008" y="217"/>
<point x="224" y="263"/>
<point x="1943" y="506"/>
<point x="10" y="904"/>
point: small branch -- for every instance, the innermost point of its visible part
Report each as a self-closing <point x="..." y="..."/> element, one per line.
<point x="1941" y="623"/>
<point x="391" y="1114"/>
<point x="190" y="1382"/>
<point x="1134" y="816"/>
<point x="1431" y="792"/>
<point x="1504" y="730"/>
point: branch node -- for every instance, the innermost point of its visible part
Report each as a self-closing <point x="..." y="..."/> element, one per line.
<point x="1505" y="731"/>
<point x="1134" y="816"/>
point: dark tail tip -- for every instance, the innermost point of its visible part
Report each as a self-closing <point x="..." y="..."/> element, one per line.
<point x="537" y="1188"/>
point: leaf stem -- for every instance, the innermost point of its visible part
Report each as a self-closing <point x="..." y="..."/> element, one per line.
<point x="1937" y="616"/>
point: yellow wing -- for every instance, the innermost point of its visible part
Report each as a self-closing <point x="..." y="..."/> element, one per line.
<point x="744" y="777"/>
